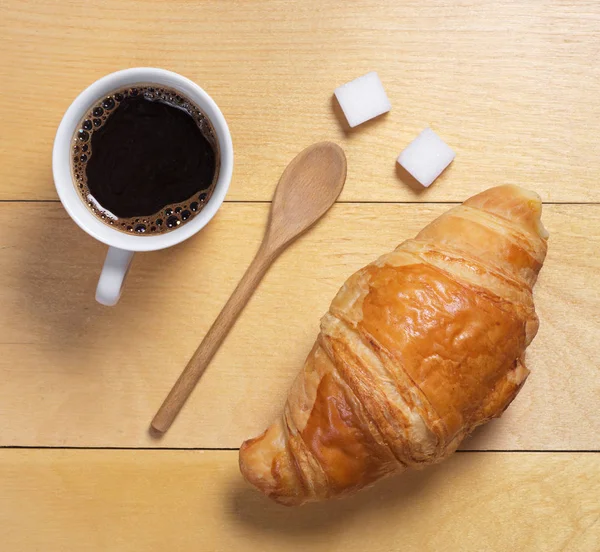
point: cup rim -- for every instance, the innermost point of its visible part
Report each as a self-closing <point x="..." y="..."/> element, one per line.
<point x="61" y="158"/>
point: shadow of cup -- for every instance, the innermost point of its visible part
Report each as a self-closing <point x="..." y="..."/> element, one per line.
<point x="55" y="268"/>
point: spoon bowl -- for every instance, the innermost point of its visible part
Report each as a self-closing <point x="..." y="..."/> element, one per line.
<point x="307" y="189"/>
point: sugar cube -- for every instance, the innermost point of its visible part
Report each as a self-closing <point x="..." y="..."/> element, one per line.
<point x="426" y="157"/>
<point x="362" y="99"/>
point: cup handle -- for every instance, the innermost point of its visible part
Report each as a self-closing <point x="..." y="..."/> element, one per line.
<point x="110" y="284"/>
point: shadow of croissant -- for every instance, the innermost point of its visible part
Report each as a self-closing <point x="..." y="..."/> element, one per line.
<point x="399" y="492"/>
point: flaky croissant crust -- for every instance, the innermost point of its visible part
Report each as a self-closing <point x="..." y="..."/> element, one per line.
<point x="417" y="349"/>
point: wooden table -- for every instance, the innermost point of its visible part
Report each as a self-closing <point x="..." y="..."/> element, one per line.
<point x="512" y="85"/>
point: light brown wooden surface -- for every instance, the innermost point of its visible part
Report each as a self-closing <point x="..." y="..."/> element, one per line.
<point x="511" y="85"/>
<point x="79" y="374"/>
<point x="184" y="500"/>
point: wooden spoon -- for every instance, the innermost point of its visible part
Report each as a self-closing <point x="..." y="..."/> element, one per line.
<point x="307" y="189"/>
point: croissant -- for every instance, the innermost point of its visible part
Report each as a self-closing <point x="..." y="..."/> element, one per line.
<point x="417" y="350"/>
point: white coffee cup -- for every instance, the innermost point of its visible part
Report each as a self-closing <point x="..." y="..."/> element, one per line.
<point x="121" y="246"/>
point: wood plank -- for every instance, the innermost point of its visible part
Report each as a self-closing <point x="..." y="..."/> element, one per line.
<point x="56" y="500"/>
<point x="511" y="85"/>
<point x="75" y="373"/>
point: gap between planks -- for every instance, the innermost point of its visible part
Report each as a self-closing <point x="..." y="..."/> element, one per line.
<point x="231" y="449"/>
<point x="339" y="202"/>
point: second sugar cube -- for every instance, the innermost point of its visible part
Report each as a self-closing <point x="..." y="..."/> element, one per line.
<point x="426" y="157"/>
<point x="362" y="99"/>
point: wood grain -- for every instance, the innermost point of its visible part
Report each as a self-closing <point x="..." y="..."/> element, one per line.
<point x="164" y="500"/>
<point x="511" y="85"/>
<point x="77" y="374"/>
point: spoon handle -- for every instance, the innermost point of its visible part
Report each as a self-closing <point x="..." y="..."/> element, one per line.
<point x="212" y="341"/>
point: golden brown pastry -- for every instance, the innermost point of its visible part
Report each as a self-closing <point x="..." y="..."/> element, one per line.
<point x="417" y="349"/>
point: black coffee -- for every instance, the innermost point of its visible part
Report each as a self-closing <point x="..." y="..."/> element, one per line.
<point x="145" y="159"/>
